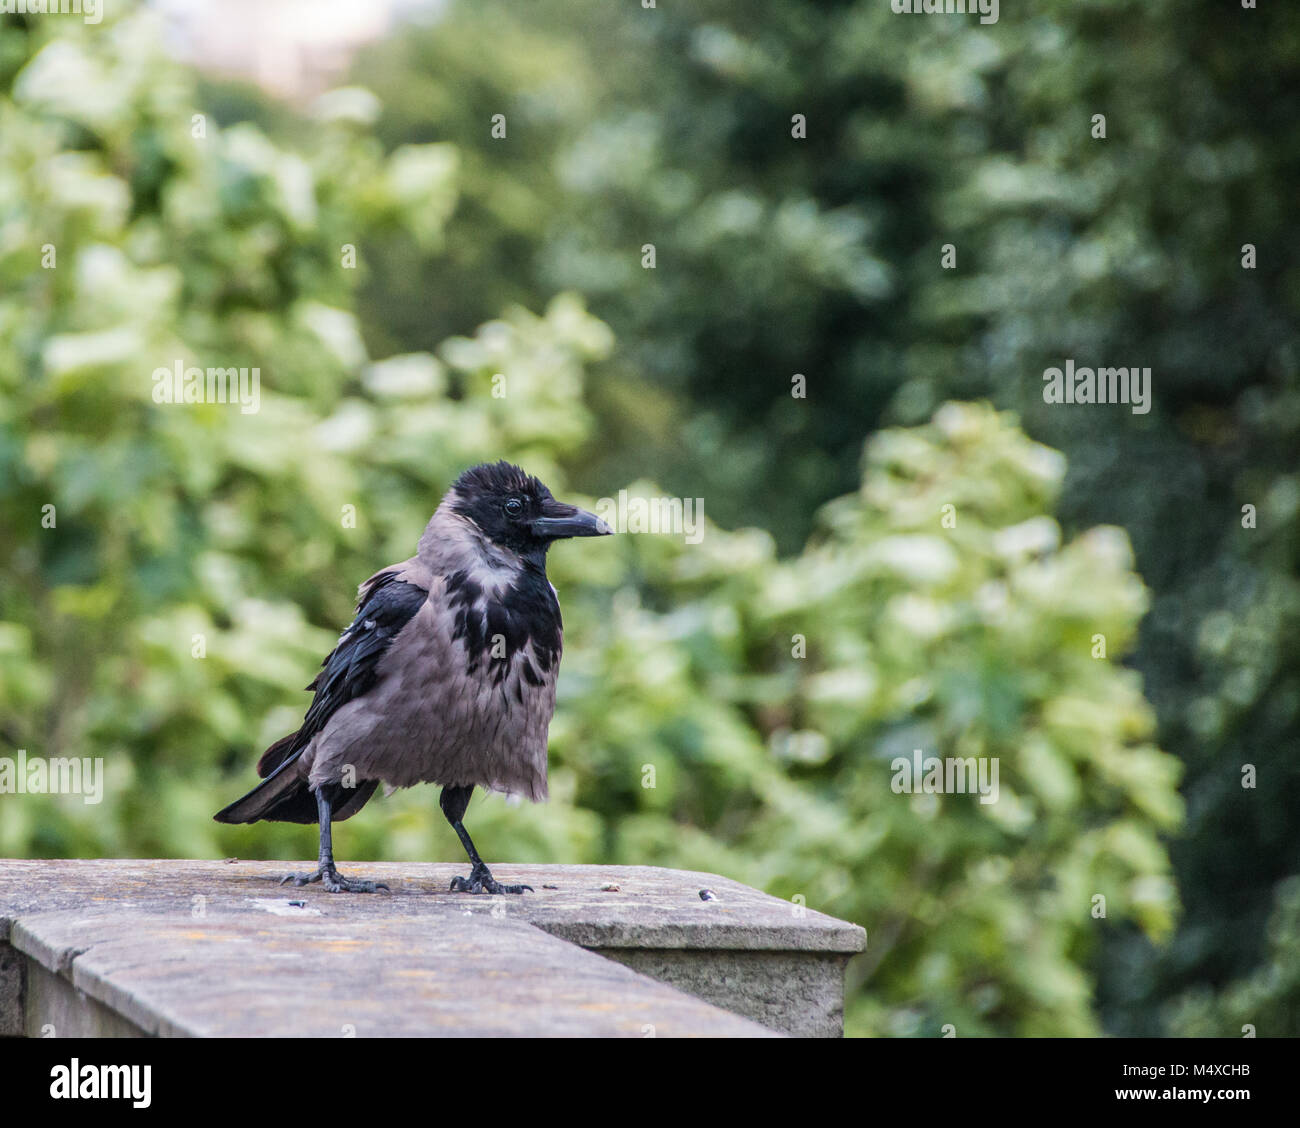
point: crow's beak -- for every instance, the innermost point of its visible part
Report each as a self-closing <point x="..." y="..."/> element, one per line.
<point x="559" y="520"/>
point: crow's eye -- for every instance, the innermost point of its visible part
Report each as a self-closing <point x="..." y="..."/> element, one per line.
<point x="514" y="507"/>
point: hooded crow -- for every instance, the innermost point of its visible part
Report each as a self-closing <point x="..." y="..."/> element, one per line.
<point x="446" y="675"/>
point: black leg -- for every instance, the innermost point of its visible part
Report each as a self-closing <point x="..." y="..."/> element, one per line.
<point x="326" y="874"/>
<point x="454" y="801"/>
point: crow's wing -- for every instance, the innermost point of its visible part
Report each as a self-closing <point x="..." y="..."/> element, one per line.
<point x="386" y="605"/>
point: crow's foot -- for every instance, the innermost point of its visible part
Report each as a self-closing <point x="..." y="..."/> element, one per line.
<point x="480" y="880"/>
<point x="333" y="881"/>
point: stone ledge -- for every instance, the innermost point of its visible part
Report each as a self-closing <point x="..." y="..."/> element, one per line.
<point x="218" y="948"/>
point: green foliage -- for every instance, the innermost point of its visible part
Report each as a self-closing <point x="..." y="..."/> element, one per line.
<point x="971" y="642"/>
<point x="1265" y="1003"/>
<point x="188" y="528"/>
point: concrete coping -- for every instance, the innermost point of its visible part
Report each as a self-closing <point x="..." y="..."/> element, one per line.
<point x="219" y="948"/>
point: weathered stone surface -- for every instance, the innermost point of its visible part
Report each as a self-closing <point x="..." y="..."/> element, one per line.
<point x="656" y="908"/>
<point x="12" y="969"/>
<point x="798" y="993"/>
<point x="56" y="1009"/>
<point x="220" y="948"/>
<point x="456" y="974"/>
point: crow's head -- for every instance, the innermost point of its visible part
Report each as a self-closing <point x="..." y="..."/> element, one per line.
<point x="515" y="511"/>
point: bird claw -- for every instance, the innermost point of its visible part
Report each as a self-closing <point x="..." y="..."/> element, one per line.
<point x="334" y="882"/>
<point x="482" y="881"/>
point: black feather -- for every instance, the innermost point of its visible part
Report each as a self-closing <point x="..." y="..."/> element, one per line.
<point x="526" y="612"/>
<point x="386" y="606"/>
<point x="350" y="668"/>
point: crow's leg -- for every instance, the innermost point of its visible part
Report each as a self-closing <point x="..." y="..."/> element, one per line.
<point x="326" y="874"/>
<point x="454" y="801"/>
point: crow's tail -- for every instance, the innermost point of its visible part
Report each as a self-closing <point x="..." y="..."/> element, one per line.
<point x="284" y="796"/>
